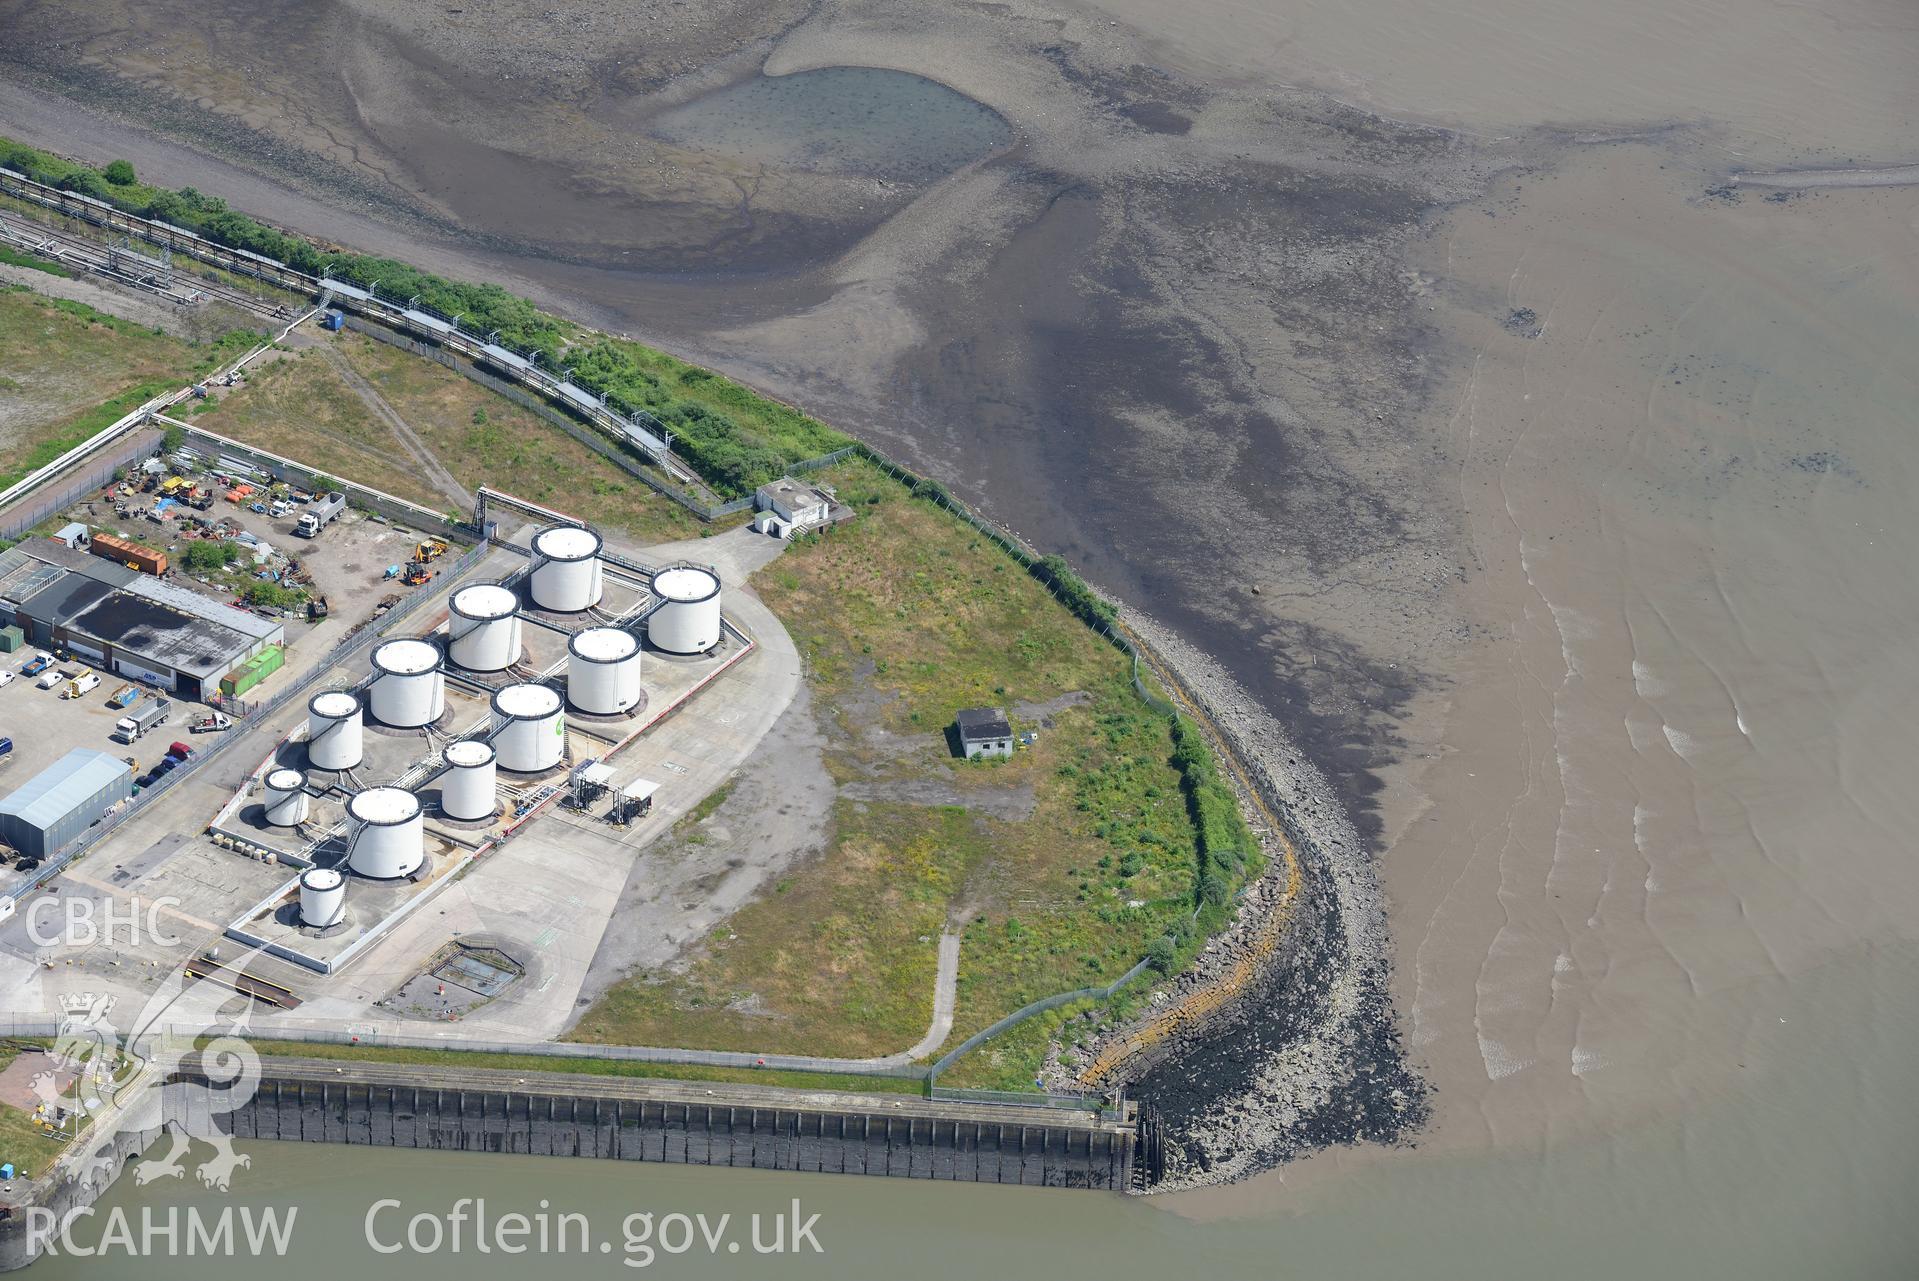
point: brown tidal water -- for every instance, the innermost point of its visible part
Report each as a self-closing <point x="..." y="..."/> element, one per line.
<point x="1802" y="1168"/>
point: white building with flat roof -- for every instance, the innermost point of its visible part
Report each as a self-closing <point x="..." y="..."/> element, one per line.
<point x="787" y="507"/>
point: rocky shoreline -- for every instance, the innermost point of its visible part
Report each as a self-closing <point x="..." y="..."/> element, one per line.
<point x="1309" y="1054"/>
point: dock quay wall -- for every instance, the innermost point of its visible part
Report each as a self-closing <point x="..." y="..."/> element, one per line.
<point x="69" y="1193"/>
<point x="619" y="1119"/>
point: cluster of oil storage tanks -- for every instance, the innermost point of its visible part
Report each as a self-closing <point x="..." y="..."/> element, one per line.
<point x="527" y="733"/>
<point x="388" y="836"/>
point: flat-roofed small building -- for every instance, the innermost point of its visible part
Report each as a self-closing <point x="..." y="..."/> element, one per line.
<point x="788" y="507"/>
<point x="984" y="731"/>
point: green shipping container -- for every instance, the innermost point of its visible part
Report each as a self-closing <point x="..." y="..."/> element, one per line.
<point x="11" y="638"/>
<point x="253" y="671"/>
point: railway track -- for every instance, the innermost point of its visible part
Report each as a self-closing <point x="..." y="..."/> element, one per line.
<point x="1196" y="1005"/>
<point x="126" y="269"/>
<point x="656" y="445"/>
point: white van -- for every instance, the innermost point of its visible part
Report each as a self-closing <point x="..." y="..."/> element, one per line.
<point x="81" y="686"/>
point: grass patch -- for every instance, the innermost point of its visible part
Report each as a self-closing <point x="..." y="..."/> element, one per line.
<point x="67" y="371"/>
<point x="298" y="406"/>
<point x="14" y="258"/>
<point x="1069" y="860"/>
<point x="708" y="803"/>
<point x="486" y="439"/>
<point x="845" y="1082"/>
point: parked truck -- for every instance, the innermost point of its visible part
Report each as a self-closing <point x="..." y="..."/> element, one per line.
<point x="129" y="728"/>
<point x="81" y="685"/>
<point x="319" y="514"/>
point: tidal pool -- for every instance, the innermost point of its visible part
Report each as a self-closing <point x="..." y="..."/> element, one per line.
<point x="857" y="121"/>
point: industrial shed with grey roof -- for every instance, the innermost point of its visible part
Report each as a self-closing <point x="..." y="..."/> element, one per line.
<point x="132" y="623"/>
<point x="63" y="800"/>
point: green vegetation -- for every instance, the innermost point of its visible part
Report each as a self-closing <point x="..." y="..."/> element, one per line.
<point x="211" y="554"/>
<point x="708" y="803"/>
<point x="228" y="565"/>
<point x="14" y="258"/>
<point x="842" y="1081"/>
<point x="79" y="370"/>
<point x="1226" y="844"/>
<point x="485" y="439"/>
<point x="298" y="407"/>
<point x="1073" y="591"/>
<point x="78" y="428"/>
<point x="1068" y="862"/>
<point x="272" y="595"/>
<point x="735" y="438"/>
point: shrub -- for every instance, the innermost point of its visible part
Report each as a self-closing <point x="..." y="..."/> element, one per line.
<point x="119" y="173"/>
<point x="1073" y="591"/>
<point x="210" y="554"/>
<point x="271" y="595"/>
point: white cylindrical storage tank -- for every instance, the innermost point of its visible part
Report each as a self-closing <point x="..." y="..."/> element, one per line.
<point x="468" y="788"/>
<point x="286" y="797"/>
<point x="688" y="618"/>
<point x="483" y="628"/>
<point x="333" y="730"/>
<point x="530" y="731"/>
<point x="603" y="670"/>
<point x="391" y="840"/>
<point x="409" y="687"/>
<point x="566" y="569"/>
<point x="322" y="897"/>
